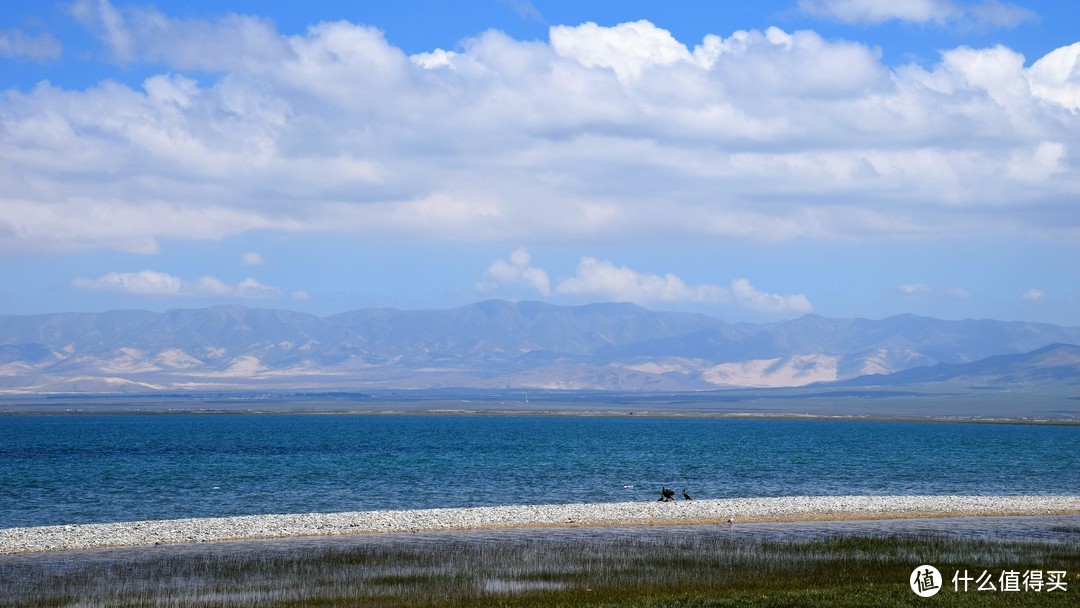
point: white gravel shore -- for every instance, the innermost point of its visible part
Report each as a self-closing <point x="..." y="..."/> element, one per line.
<point x="790" y="508"/>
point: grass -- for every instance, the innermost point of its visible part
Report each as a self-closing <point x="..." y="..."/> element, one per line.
<point x="707" y="569"/>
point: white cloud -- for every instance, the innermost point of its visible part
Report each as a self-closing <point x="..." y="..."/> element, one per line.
<point x="1039" y="164"/>
<point x="875" y="11"/>
<point x="146" y="282"/>
<point x="140" y="33"/>
<point x="517" y="270"/>
<point x="1034" y="294"/>
<point x="914" y="289"/>
<point x="990" y="14"/>
<point x="17" y="43"/>
<point x="628" y="49"/>
<point x="248" y="288"/>
<point x="105" y="20"/>
<point x="525" y="9"/>
<point x="601" y="134"/>
<point x="984" y="14"/>
<point x="150" y="282"/>
<point x="601" y="278"/>
<point x="76" y="223"/>
<point x="800" y="63"/>
<point x="745" y="294"/>
<point x="438" y="58"/>
<point x="923" y="290"/>
<point x="1054" y="77"/>
<point x="252" y="258"/>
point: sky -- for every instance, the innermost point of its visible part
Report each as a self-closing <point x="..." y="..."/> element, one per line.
<point x="754" y="161"/>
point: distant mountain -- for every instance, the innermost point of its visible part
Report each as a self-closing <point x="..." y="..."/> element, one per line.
<point x="1057" y="363"/>
<point x="487" y="344"/>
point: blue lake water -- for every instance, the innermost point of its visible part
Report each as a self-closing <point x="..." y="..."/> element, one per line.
<point x="101" y="468"/>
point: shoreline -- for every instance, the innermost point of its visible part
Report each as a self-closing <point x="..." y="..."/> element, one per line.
<point x="875" y="403"/>
<point x="38" y="410"/>
<point x="706" y="511"/>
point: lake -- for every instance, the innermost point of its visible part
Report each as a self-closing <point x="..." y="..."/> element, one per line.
<point x="60" y="469"/>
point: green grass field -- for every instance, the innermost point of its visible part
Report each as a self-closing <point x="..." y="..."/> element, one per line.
<point x="710" y="569"/>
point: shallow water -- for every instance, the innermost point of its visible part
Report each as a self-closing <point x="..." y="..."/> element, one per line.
<point x="103" y="468"/>
<point x="422" y="569"/>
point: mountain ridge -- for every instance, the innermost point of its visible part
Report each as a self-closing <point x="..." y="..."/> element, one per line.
<point x="1058" y="362"/>
<point x="492" y="343"/>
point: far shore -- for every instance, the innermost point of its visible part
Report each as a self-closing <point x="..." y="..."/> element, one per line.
<point x="731" y="511"/>
<point x="1015" y="404"/>
<point x="17" y="408"/>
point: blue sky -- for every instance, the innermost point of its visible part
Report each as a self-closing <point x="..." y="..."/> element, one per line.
<point x="754" y="161"/>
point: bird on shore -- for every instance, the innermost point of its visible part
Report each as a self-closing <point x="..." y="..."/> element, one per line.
<point x="685" y="495"/>
<point x="666" y="495"/>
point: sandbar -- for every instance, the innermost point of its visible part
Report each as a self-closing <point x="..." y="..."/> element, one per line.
<point x="726" y="511"/>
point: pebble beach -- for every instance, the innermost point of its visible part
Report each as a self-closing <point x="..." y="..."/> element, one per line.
<point x="715" y="511"/>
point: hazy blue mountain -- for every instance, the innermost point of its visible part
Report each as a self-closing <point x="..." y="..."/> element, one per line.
<point x="487" y="344"/>
<point x="1057" y="363"/>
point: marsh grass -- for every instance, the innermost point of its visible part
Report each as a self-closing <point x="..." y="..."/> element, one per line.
<point x="698" y="570"/>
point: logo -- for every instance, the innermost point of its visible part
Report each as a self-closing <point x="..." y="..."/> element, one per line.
<point x="925" y="581"/>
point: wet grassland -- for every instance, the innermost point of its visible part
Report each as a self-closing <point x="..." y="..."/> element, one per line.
<point x="678" y="566"/>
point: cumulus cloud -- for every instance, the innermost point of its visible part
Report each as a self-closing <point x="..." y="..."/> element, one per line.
<point x="628" y="49"/>
<point x="150" y="282"/>
<point x="606" y="280"/>
<point x="984" y="14"/>
<point x="744" y="293"/>
<point x="517" y="270"/>
<point x="600" y="134"/>
<point x="1053" y="76"/>
<point x="17" y="43"/>
<point x="602" y="279"/>
<point x="1034" y="294"/>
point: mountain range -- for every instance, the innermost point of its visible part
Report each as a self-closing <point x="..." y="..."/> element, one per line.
<point x="498" y="344"/>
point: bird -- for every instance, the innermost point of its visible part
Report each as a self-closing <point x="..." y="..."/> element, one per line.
<point x="730" y="519"/>
<point x="666" y="495"/>
<point x="685" y="495"/>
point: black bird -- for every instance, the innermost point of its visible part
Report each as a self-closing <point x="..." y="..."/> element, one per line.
<point x="685" y="495"/>
<point x="666" y="495"/>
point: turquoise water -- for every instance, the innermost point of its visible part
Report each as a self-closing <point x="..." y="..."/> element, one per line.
<point x="101" y="468"/>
